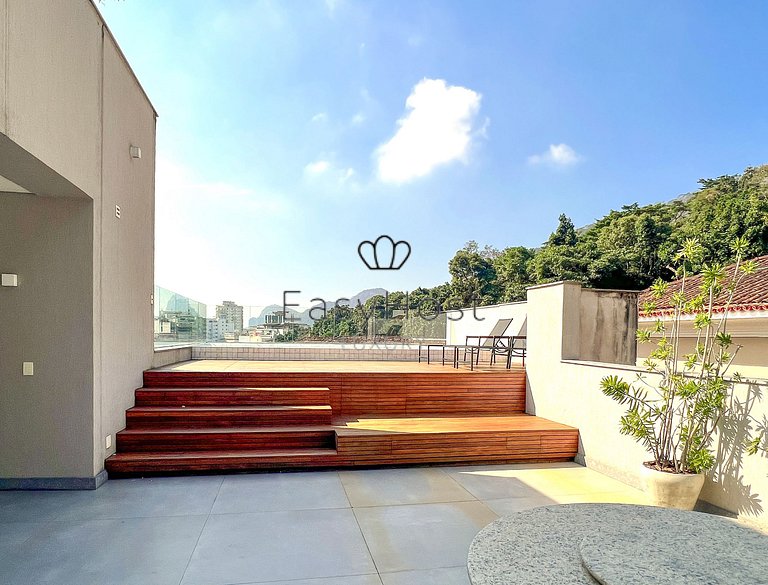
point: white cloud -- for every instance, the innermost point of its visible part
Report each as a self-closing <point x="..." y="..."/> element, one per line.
<point x="558" y="155"/>
<point x="358" y="119"/>
<point x="318" y="167"/>
<point x="324" y="172"/>
<point x="178" y="185"/>
<point x="437" y="129"/>
<point x="320" y="117"/>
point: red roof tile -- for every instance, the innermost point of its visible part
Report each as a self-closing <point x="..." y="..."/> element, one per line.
<point x="750" y="295"/>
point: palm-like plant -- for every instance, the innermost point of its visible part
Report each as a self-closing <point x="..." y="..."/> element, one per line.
<point x="674" y="407"/>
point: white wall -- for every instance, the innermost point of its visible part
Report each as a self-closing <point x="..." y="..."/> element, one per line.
<point x="568" y="391"/>
<point x="481" y="320"/>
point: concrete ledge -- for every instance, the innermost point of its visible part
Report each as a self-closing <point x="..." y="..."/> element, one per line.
<point x="53" y="483"/>
<point x="165" y="356"/>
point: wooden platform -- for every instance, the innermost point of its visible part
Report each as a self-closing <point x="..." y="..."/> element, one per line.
<point x="262" y="415"/>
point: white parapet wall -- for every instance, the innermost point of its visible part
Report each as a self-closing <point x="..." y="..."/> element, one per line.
<point x="481" y="320"/>
<point x="565" y="338"/>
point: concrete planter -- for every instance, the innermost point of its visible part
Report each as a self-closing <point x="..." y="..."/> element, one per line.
<point x="672" y="490"/>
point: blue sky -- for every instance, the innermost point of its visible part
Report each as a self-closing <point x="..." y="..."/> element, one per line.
<point x="290" y="131"/>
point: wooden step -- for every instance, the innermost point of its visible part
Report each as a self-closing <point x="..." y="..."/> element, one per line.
<point x="153" y="462"/>
<point x="225" y="416"/>
<point x="407" y="390"/>
<point x="232" y="396"/>
<point x="221" y="439"/>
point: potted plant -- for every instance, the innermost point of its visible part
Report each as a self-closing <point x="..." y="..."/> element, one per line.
<point x="674" y="406"/>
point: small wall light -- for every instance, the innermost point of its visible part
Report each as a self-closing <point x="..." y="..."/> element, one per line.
<point x="135" y="152"/>
<point x="10" y="280"/>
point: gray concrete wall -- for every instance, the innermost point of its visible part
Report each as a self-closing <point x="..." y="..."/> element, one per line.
<point x="600" y="340"/>
<point x="70" y="109"/>
<point x="3" y="43"/>
<point x="46" y="419"/>
<point x="171" y="355"/>
<point x="125" y="340"/>
<point x="53" y="86"/>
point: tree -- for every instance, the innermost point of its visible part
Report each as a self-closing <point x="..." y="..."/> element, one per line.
<point x="727" y="207"/>
<point x="629" y="248"/>
<point x="554" y="263"/>
<point x="559" y="258"/>
<point x="473" y="281"/>
<point x="565" y="234"/>
<point x="488" y="252"/>
<point x="512" y="273"/>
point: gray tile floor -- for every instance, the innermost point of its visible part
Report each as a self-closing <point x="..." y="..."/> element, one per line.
<point x="363" y="527"/>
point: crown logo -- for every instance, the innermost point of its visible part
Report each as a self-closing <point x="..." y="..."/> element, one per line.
<point x="384" y="253"/>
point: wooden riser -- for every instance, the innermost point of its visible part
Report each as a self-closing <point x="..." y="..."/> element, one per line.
<point x="443" y="391"/>
<point x="232" y="396"/>
<point x="448" y="447"/>
<point x="139" y="463"/>
<point x="226" y="439"/>
<point x="356" y="448"/>
<point x="120" y="469"/>
<point x="222" y="417"/>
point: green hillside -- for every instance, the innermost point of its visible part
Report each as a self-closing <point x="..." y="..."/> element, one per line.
<point x="625" y="249"/>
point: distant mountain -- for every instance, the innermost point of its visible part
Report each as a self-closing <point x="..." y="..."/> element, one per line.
<point x="303" y="316"/>
<point x="363" y="296"/>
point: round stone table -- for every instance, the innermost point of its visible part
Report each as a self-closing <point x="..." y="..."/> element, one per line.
<point x="617" y="544"/>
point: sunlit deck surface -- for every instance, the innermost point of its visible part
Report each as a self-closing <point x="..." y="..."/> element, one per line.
<point x="331" y="366"/>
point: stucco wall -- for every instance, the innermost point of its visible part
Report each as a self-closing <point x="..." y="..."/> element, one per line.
<point x="126" y="279"/>
<point x="53" y="85"/>
<point x="3" y="42"/>
<point x="71" y="109"/>
<point x="459" y="325"/>
<point x="568" y="391"/>
<point x="46" y="419"/>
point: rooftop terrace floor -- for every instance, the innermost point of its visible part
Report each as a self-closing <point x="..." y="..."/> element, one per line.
<point x="333" y="366"/>
<point x="406" y="526"/>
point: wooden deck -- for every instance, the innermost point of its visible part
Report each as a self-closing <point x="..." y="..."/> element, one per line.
<point x="365" y="388"/>
<point x="222" y="415"/>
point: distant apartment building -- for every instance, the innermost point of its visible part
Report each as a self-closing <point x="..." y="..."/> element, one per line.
<point x="231" y="312"/>
<point x="220" y="329"/>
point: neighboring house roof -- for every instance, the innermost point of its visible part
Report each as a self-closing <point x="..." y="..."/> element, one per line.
<point x="751" y="294"/>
